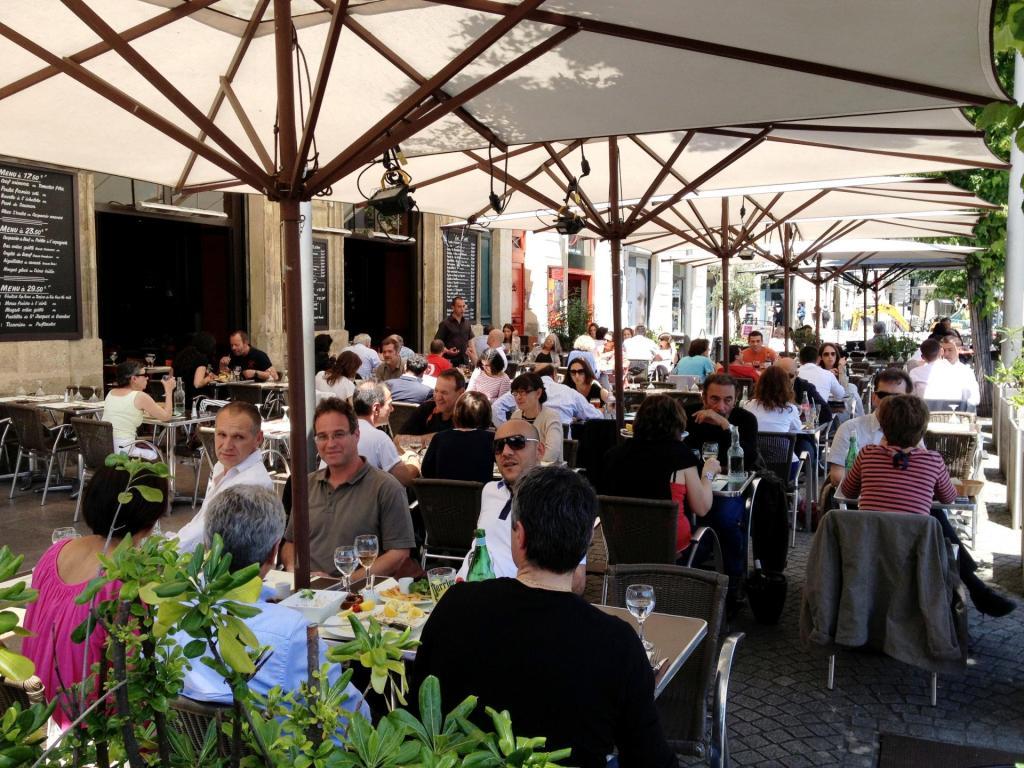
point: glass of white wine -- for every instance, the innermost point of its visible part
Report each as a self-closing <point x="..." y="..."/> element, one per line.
<point x="345" y="561"/>
<point x="367" y="548"/>
<point x="640" y="602"/>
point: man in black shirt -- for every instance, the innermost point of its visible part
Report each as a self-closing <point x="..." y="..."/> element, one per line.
<point x="455" y="331"/>
<point x="709" y="422"/>
<point x="562" y="668"/>
<point x="254" y="363"/>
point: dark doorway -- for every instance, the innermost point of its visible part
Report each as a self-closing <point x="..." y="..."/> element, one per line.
<point x="160" y="280"/>
<point x="380" y="289"/>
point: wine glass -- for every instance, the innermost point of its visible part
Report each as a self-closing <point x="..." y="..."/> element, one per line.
<point x="40" y="392"/>
<point x="284" y="412"/>
<point x="113" y="358"/>
<point x="440" y="579"/>
<point x="709" y="451"/>
<point x="75" y="387"/>
<point x="345" y="561"/>
<point x="64" y="533"/>
<point x="954" y="419"/>
<point x="640" y="602"/>
<point x="366" y="550"/>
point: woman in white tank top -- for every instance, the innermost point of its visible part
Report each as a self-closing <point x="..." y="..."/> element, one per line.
<point x="128" y="403"/>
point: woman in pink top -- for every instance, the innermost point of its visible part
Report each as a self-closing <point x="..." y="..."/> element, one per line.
<point x="64" y="571"/>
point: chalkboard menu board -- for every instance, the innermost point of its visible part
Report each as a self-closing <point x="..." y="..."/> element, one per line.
<point x="39" y="293"/>
<point x="460" y="260"/>
<point x="320" y="285"/>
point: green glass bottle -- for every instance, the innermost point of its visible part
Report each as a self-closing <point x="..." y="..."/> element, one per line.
<point x="851" y="453"/>
<point x="480" y="568"/>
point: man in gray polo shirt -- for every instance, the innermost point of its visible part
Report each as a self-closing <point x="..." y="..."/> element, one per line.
<point x="349" y="498"/>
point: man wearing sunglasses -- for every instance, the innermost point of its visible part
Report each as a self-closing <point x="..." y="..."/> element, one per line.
<point x="517" y="450"/>
<point x="866" y="429"/>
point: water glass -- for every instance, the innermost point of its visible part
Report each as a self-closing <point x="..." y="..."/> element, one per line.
<point x="366" y="547"/>
<point x="440" y="579"/>
<point x="640" y="602"/>
<point x="64" y="533"/>
<point x="345" y="560"/>
<point x="709" y="451"/>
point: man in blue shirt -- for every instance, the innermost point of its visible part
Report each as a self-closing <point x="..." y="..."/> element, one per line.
<point x="251" y="521"/>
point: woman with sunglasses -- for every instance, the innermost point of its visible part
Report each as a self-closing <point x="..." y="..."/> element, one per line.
<point x="127" y="404"/>
<point x="581" y="378"/>
<point x="528" y="390"/>
<point x="831" y="359"/>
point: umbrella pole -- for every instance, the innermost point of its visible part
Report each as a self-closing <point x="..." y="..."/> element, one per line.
<point x="293" y="292"/>
<point x="817" y="301"/>
<point x="785" y="286"/>
<point x="725" y="284"/>
<point x="874" y="287"/>
<point x="615" y="240"/>
<point x="864" y="319"/>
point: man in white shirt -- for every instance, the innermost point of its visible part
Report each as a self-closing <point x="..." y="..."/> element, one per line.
<point x="965" y="378"/>
<point x="825" y="382"/>
<point x="361" y="347"/>
<point x="237" y="439"/>
<point x="866" y="429"/>
<point x="567" y="401"/>
<point x="372" y="404"/>
<point x="933" y="378"/>
<point x="517" y="450"/>
<point x="638" y="346"/>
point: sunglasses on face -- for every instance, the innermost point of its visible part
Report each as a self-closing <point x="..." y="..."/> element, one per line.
<point x="141" y="374"/>
<point x="883" y="395"/>
<point x="515" y="442"/>
<point x="575" y="371"/>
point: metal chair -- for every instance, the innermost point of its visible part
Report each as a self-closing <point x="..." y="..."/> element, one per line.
<point x="400" y="414"/>
<point x="36" y="440"/>
<point x="683" y="705"/>
<point x="278" y="468"/>
<point x="95" y="443"/>
<point x="450" y="510"/>
<point x="777" y="450"/>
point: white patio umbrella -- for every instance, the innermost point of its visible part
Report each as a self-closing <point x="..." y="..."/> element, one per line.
<point x="214" y="93"/>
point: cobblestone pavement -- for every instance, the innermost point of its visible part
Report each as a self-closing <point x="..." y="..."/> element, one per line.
<point x="781" y="714"/>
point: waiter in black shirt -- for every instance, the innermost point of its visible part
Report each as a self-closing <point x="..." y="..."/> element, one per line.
<point x="455" y="331"/>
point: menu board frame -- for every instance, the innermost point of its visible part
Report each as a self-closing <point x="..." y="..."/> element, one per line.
<point x="322" y="300"/>
<point x="73" y="244"/>
<point x="467" y="288"/>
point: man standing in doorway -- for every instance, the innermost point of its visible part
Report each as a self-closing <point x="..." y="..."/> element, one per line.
<point x="254" y="363"/>
<point x="237" y="440"/>
<point x="455" y="331"/>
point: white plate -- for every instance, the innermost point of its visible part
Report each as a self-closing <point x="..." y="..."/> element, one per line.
<point x="340" y="627"/>
<point x="422" y="601"/>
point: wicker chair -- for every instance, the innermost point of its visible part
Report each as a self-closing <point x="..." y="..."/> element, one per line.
<point x="960" y="450"/>
<point x="5" y="430"/>
<point x="400" y="415"/>
<point x="37" y="440"/>
<point x="95" y="443"/>
<point x="639" y="530"/>
<point x="777" y="449"/>
<point x="25" y="693"/>
<point x="450" y="510"/>
<point x="193" y="719"/>
<point x="945" y="417"/>
<point x="683" y="705"/>
<point x="246" y="393"/>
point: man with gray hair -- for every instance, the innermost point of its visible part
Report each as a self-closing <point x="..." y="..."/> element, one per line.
<point x="409" y="387"/>
<point x="362" y="349"/>
<point x="372" y="404"/>
<point x="872" y="344"/>
<point x="251" y="522"/>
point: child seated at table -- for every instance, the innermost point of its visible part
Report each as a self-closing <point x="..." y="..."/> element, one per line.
<point x="901" y="476"/>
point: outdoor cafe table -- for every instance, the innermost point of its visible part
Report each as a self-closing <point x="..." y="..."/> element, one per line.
<point x="811" y="477"/>
<point x="675" y="638"/>
<point x="171" y="427"/>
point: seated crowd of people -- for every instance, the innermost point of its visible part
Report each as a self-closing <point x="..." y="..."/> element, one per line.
<point x="538" y="515"/>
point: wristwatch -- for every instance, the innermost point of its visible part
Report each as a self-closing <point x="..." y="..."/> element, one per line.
<point x="709" y="475"/>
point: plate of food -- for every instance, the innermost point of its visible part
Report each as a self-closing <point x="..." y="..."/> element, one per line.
<point x="418" y="594"/>
<point x="338" y="626"/>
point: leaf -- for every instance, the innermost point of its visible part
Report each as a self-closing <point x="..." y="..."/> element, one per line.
<point x="14" y="666"/>
<point x="194" y="649"/>
<point x="8" y="621"/>
<point x="124" y="497"/>
<point x="233" y="652"/>
<point x="150" y="494"/>
<point x="430" y="705"/>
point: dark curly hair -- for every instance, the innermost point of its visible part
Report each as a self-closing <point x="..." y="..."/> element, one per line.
<point x="774" y="389"/>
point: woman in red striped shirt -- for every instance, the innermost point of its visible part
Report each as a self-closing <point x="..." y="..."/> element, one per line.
<point x="898" y="475"/>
